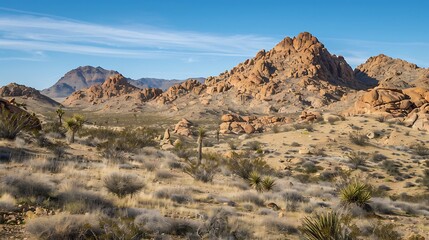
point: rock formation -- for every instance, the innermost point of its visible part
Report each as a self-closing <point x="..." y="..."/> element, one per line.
<point x="27" y="96"/>
<point x="115" y="87"/>
<point x="232" y="123"/>
<point x="296" y="74"/>
<point x="388" y="72"/>
<point x="183" y="127"/>
<point x="410" y="105"/>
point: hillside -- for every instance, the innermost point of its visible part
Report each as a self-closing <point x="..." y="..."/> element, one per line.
<point x="392" y="73"/>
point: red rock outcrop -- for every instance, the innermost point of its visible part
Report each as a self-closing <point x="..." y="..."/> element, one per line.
<point x="178" y="90"/>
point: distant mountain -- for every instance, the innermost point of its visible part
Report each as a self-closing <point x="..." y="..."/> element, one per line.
<point x="86" y="76"/>
<point x="159" y="83"/>
<point x="385" y="71"/>
<point x="114" y="92"/>
<point x="76" y="79"/>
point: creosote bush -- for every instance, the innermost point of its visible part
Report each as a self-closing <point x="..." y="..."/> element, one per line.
<point x="122" y="185"/>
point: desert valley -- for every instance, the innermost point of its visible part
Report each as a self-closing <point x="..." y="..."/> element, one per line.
<point x="290" y="144"/>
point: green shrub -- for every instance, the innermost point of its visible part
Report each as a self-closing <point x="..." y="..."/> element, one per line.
<point x="356" y="193"/>
<point x="323" y="226"/>
<point x="204" y="172"/>
<point x="243" y="164"/>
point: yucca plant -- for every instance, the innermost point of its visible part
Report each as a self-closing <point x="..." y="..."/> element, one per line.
<point x="356" y="193"/>
<point x="60" y="112"/>
<point x="325" y="226"/>
<point x="260" y="183"/>
<point x="255" y="181"/>
<point x="268" y="183"/>
<point x="12" y="123"/>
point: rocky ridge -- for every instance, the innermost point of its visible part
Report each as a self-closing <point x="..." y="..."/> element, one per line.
<point x="388" y="72"/>
<point x="115" y="87"/>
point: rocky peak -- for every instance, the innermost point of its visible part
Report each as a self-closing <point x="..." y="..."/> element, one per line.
<point x="392" y="73"/>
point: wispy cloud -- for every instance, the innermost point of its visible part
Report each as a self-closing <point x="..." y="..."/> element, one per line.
<point x="24" y="31"/>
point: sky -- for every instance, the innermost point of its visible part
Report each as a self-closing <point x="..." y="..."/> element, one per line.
<point x="42" y="40"/>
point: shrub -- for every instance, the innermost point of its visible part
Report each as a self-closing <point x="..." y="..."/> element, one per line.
<point x="204" y="172"/>
<point x="377" y="157"/>
<point x="27" y="186"/>
<point x="122" y="185"/>
<point x="151" y="221"/>
<point x="358" y="138"/>
<point x="119" y="228"/>
<point x="250" y="197"/>
<point x="219" y="226"/>
<point x="357" y="159"/>
<point x="420" y="150"/>
<point x="279" y="225"/>
<point x="356" y="193"/>
<point x="306" y="126"/>
<point x="242" y="165"/>
<point x="63" y="226"/>
<point x="12" y="123"/>
<point x="386" y="232"/>
<point x="79" y="201"/>
<point x="254" y="145"/>
<point x="391" y="167"/>
<point x="323" y="226"/>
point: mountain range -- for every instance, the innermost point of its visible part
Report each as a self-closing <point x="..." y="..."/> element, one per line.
<point x="87" y="76"/>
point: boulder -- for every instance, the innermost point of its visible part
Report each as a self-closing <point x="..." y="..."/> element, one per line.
<point x="183" y="127"/>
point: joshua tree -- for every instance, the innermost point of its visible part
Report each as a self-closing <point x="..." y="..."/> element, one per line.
<point x="60" y="112"/>
<point x="74" y="124"/>
<point x="201" y="135"/>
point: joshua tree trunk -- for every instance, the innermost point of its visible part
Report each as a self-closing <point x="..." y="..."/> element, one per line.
<point x="200" y="149"/>
<point x="61" y="120"/>
<point x="72" y="136"/>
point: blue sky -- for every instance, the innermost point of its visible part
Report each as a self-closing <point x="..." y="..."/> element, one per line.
<point x="41" y="40"/>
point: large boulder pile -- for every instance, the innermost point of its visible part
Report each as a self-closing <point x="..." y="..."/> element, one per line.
<point x="236" y="124"/>
<point x="410" y="105"/>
